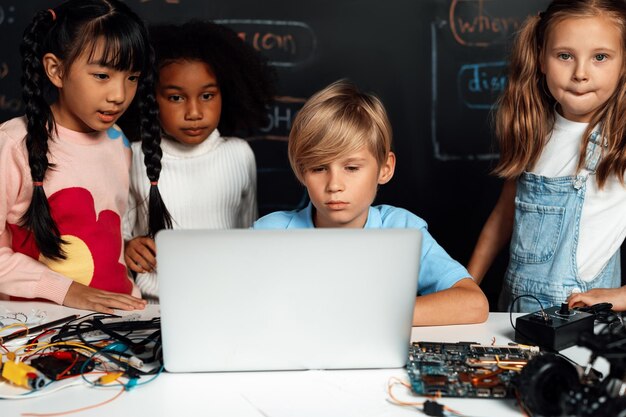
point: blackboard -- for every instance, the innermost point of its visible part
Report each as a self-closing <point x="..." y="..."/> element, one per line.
<point x="437" y="65"/>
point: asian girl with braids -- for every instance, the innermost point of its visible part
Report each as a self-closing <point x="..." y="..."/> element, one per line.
<point x="211" y="87"/>
<point x="64" y="166"/>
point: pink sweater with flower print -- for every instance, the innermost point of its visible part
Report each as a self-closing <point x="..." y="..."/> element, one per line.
<point x="87" y="190"/>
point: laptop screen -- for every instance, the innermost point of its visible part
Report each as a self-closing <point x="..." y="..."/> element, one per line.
<point x="286" y="299"/>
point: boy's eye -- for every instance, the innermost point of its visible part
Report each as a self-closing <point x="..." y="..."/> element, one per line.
<point x="601" y="57"/>
<point x="352" y="168"/>
<point x="318" y="169"/>
<point x="565" y="56"/>
<point x="175" y="98"/>
<point x="207" y="96"/>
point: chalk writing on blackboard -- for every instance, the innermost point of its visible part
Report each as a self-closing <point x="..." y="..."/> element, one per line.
<point x="284" y="43"/>
<point x="280" y="117"/>
<point x="10" y="104"/>
<point x="482" y="22"/>
<point x="480" y="84"/>
<point x="6" y="14"/>
<point x="468" y="52"/>
<point x="463" y="92"/>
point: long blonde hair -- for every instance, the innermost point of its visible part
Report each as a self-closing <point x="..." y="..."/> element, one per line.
<point x="525" y="114"/>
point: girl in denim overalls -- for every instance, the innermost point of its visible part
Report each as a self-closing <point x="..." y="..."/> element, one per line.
<point x="561" y="126"/>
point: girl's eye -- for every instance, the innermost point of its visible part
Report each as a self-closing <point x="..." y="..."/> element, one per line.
<point x="133" y="78"/>
<point x="100" y="76"/>
<point x="565" y="56"/>
<point x="601" y="57"/>
<point x="175" y="98"/>
<point x="207" y="96"/>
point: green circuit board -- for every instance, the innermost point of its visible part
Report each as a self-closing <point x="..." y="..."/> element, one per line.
<point x="465" y="369"/>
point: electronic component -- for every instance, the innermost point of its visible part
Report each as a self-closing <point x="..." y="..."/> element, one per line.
<point x="552" y="385"/>
<point x="23" y="375"/>
<point x="465" y="369"/>
<point x="111" y="377"/>
<point x="553" y="328"/>
<point x="61" y="364"/>
<point x="546" y="383"/>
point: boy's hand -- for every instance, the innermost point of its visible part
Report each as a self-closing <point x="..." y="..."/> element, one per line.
<point x="87" y="298"/>
<point x="140" y="254"/>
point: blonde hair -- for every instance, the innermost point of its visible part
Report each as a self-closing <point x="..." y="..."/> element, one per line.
<point x="335" y="122"/>
<point x="525" y="114"/>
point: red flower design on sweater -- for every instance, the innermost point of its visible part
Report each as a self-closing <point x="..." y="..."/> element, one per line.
<point x="94" y="243"/>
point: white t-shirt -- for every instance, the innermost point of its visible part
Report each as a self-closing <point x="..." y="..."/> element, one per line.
<point x="603" y="218"/>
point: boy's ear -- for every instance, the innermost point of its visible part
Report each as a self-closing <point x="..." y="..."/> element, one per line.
<point x="387" y="169"/>
<point x="53" y="67"/>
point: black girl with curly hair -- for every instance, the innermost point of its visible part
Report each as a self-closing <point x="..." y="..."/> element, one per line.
<point x="64" y="165"/>
<point x="212" y="86"/>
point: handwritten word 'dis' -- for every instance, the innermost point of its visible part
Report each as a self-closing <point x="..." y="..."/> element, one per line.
<point x="480" y="84"/>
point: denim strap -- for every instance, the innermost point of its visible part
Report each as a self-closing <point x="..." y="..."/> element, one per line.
<point x="595" y="145"/>
<point x="593" y="154"/>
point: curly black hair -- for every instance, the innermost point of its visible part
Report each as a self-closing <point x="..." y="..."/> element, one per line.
<point x="245" y="79"/>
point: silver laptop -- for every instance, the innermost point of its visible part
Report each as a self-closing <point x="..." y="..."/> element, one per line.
<point x="253" y="300"/>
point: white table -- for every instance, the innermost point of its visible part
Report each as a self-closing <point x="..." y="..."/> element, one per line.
<point x="358" y="393"/>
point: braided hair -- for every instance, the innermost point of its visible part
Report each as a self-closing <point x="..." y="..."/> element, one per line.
<point x="67" y="31"/>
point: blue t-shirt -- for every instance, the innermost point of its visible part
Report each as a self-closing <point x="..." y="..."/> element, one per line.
<point x="438" y="271"/>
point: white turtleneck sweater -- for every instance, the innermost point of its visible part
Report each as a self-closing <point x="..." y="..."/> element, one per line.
<point x="207" y="186"/>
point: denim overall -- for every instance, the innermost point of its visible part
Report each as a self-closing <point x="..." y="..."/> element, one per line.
<point x="545" y="238"/>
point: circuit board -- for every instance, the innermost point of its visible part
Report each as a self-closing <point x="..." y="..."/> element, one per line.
<point x="465" y="369"/>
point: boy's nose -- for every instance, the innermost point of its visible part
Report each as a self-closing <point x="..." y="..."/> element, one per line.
<point x="335" y="182"/>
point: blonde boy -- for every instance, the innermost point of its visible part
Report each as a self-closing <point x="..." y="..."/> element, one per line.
<point x="340" y="149"/>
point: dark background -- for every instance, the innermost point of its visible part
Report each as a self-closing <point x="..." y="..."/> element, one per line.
<point x="437" y="65"/>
